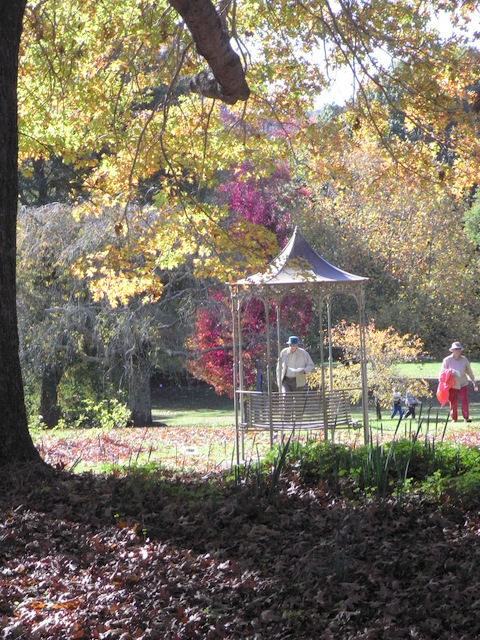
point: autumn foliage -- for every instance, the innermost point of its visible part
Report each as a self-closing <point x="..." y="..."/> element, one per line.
<point x="266" y="203"/>
<point x="161" y="555"/>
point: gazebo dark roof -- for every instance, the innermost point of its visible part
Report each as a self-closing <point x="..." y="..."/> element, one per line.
<point x="299" y="264"/>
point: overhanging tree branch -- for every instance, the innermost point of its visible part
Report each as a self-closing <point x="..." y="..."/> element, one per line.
<point x="226" y="78"/>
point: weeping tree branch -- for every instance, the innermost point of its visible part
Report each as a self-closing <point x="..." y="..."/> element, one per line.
<point x="225" y="80"/>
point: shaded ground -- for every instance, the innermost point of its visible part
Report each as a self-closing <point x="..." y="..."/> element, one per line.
<point x="85" y="556"/>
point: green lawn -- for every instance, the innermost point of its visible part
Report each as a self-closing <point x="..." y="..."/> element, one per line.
<point x="192" y="407"/>
<point x="427" y="369"/>
<point x="419" y="369"/>
<point x="201" y="434"/>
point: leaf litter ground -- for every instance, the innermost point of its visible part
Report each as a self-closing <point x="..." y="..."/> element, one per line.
<point x="114" y="556"/>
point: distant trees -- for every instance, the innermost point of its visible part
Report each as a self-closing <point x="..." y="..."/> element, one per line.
<point x="408" y="236"/>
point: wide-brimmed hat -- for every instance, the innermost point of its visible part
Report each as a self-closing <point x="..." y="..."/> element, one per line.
<point x="293" y="340"/>
<point x="456" y="345"/>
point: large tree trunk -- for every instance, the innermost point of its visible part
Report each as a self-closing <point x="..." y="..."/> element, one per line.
<point x="15" y="442"/>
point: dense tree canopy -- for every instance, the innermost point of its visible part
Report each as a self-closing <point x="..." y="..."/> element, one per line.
<point x="84" y="349"/>
<point x="110" y="89"/>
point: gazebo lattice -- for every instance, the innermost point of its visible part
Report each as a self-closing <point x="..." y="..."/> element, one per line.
<point x="298" y="269"/>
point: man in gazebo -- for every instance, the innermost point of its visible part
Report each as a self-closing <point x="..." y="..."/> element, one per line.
<point x="293" y="363"/>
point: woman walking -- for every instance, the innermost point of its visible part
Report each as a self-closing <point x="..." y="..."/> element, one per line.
<point x="462" y="372"/>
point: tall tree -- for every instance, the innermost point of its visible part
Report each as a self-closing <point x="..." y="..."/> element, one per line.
<point x="226" y="78"/>
<point x="63" y="329"/>
<point x="407" y="235"/>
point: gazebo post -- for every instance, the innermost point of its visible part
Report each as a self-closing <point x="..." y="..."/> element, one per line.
<point x="240" y="371"/>
<point x="235" y="364"/>
<point x="279" y="347"/>
<point x="329" y="331"/>
<point x="322" y="367"/>
<point x="363" y="363"/>
<point x="269" y="381"/>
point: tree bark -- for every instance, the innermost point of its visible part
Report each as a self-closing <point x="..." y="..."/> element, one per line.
<point x="15" y="442"/>
<point x="226" y="81"/>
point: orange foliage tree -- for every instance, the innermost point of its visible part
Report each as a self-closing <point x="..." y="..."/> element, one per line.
<point x="385" y="348"/>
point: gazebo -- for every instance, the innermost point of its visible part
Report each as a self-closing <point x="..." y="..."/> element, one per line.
<point x="298" y="269"/>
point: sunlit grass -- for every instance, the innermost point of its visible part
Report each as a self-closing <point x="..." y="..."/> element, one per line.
<point x="418" y="369"/>
<point x="192" y="407"/>
<point x="427" y="369"/>
<point x="173" y="447"/>
<point x="182" y="417"/>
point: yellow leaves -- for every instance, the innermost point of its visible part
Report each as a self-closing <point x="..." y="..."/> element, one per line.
<point x="139" y="244"/>
<point x="381" y="345"/>
<point x="120" y="287"/>
<point x="87" y="74"/>
<point x="94" y="83"/>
